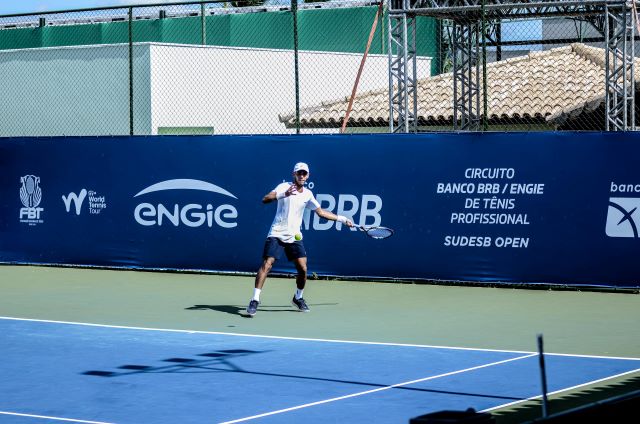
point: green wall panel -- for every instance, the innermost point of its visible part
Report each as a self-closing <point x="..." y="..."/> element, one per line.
<point x="339" y="30"/>
<point x="115" y="32"/>
<point x="179" y="30"/>
<point x="71" y="35"/>
<point x="326" y="30"/>
<point x="219" y="30"/>
<point x="262" y="30"/>
<point x="20" y="38"/>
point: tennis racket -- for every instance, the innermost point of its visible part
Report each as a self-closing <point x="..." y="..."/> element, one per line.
<point x="377" y="233"/>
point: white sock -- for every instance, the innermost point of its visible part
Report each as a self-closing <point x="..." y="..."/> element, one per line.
<point x="299" y="293"/>
<point x="256" y="294"/>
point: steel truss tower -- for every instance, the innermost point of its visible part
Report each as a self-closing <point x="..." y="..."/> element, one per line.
<point x="613" y="18"/>
<point x="403" y="105"/>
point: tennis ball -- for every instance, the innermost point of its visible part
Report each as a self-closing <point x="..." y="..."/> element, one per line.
<point x="298" y="237"/>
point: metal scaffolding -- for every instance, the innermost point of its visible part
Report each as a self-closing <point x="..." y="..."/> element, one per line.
<point x="403" y="105"/>
<point x="613" y="18"/>
<point x="466" y="75"/>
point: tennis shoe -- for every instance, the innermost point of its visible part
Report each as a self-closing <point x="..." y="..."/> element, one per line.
<point x="300" y="304"/>
<point x="253" y="307"/>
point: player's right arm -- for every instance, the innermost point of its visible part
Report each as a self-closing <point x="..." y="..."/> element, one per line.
<point x="281" y="191"/>
<point x="269" y="197"/>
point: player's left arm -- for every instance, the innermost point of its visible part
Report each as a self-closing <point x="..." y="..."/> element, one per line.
<point x="333" y="217"/>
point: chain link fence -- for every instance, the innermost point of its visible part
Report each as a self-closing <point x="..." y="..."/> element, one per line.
<point x="273" y="67"/>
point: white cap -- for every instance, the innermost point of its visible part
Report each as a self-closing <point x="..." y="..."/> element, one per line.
<point x="301" y="166"/>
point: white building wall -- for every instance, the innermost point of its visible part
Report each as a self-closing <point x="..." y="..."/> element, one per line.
<point x="73" y="91"/>
<point x="242" y="91"/>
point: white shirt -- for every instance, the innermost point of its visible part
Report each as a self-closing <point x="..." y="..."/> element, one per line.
<point x="288" y="219"/>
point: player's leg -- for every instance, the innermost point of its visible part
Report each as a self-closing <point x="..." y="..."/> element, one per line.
<point x="271" y="252"/>
<point x="301" y="276"/>
<point x="301" y="280"/>
<point x="263" y="271"/>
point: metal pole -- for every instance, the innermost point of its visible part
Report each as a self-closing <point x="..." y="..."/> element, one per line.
<point x="485" y="101"/>
<point x="294" y="11"/>
<point x="476" y="126"/>
<point x="543" y="377"/>
<point x="607" y="70"/>
<point x="203" y="24"/>
<point x="625" y="66"/>
<point x="499" y="40"/>
<point x="390" y="70"/>
<point x="472" y="61"/>
<point x="131" y="71"/>
<point x="404" y="76"/>
<point x="414" y="76"/>
<point x="632" y="38"/>
<point x="382" y="42"/>
<point x="361" y="68"/>
<point x="455" y="74"/>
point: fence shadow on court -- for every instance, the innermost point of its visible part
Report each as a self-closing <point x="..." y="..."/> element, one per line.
<point x="532" y="410"/>
<point x="222" y="361"/>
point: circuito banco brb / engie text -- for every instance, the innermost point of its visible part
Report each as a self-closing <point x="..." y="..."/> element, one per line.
<point x="493" y="203"/>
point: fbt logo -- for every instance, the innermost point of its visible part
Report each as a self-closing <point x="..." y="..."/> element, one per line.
<point x="30" y="196"/>
<point x="192" y="214"/>
<point x="96" y="203"/>
<point x="364" y="210"/>
<point x="623" y="217"/>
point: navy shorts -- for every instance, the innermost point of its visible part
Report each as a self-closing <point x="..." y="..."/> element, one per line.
<point x="274" y="247"/>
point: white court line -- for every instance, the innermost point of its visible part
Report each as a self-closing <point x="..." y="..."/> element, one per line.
<point x="561" y="390"/>
<point x="255" y="335"/>
<point x="73" y="420"/>
<point x="406" y="383"/>
<point x="304" y="338"/>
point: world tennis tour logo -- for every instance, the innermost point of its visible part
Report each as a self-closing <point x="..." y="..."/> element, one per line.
<point x="623" y="217"/>
<point x="190" y="214"/>
<point x="30" y="196"/>
<point x="96" y="203"/>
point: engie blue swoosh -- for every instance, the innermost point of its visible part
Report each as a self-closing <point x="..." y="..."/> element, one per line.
<point x="185" y="184"/>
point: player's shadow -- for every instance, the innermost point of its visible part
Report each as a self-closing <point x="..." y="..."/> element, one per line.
<point x="242" y="310"/>
<point x="227" y="309"/>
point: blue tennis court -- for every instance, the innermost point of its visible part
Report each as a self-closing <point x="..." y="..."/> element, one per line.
<point x="108" y="374"/>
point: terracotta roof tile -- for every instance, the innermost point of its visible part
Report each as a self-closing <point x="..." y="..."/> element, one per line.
<point x="552" y="86"/>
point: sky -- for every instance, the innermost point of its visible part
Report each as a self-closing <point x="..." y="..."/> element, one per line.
<point x="29" y="6"/>
<point x="8" y="7"/>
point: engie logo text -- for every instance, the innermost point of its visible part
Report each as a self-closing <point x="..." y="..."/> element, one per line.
<point x="184" y="213"/>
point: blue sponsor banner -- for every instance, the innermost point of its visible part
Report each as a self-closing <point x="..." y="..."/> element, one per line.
<point x="561" y="208"/>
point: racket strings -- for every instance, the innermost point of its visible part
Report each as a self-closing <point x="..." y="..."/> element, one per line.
<point x="379" y="232"/>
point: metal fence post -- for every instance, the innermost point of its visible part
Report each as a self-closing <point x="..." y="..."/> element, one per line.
<point x="203" y="24"/>
<point x="294" y="11"/>
<point x="131" y="71"/>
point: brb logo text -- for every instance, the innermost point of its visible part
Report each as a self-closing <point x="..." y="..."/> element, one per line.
<point x="623" y="217"/>
<point x="362" y="211"/>
<point x="192" y="214"/>
<point x="30" y="196"/>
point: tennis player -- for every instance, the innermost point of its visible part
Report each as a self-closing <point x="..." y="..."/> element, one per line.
<point x="285" y="235"/>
